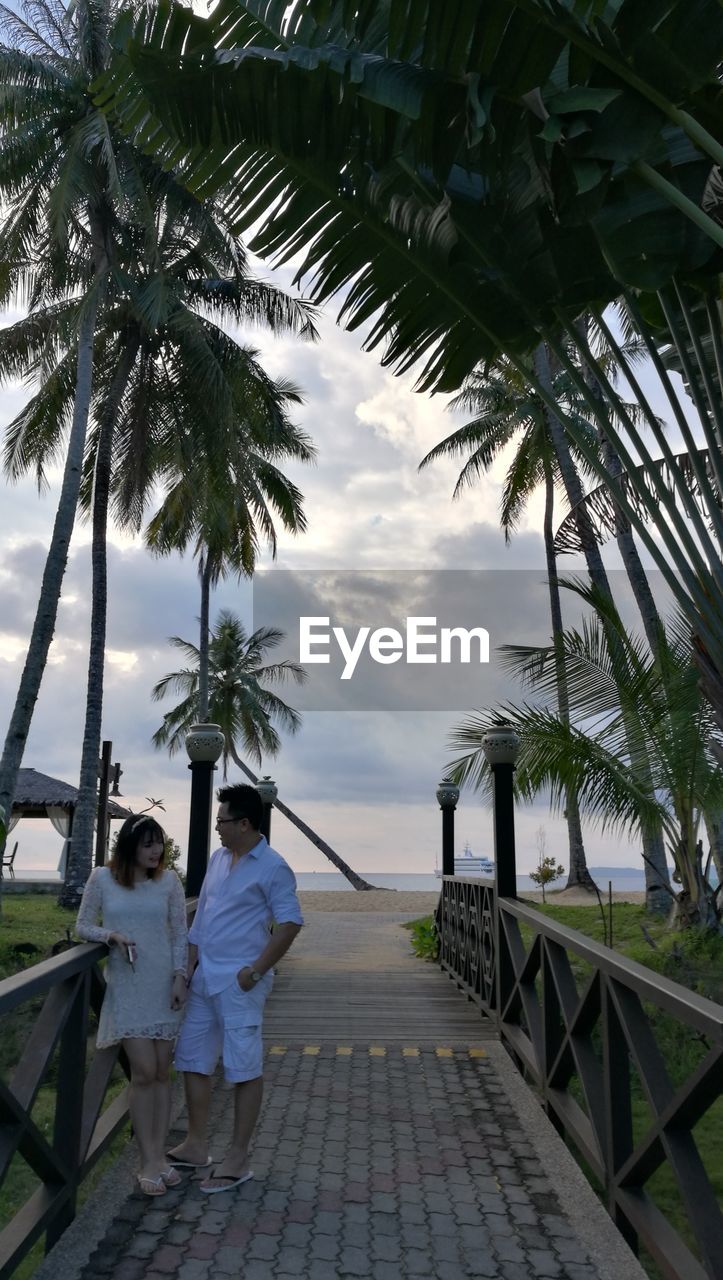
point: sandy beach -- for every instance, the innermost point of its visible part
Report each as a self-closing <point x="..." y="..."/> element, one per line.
<point x="421" y="904"/>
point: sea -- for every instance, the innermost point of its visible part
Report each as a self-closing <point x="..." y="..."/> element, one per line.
<point x="623" y="879"/>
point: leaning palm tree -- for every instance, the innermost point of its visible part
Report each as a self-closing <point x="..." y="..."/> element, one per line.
<point x="243" y="704"/>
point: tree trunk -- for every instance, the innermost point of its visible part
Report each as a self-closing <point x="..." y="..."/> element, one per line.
<point x="653" y="843"/>
<point x="55" y="565"/>
<point x="714" y="827"/>
<point x="579" y="873"/>
<point x="655" y="862"/>
<point x="80" y="852"/>
<point x="301" y="826"/>
<point x="657" y="876"/>
<point x="204" y="572"/>
<point x="578" y="876"/>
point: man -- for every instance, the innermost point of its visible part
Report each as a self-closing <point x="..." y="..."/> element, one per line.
<point x="247" y="886"/>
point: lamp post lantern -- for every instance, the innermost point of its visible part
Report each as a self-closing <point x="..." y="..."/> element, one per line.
<point x="268" y="791"/>
<point x="501" y="745"/>
<point x="204" y="745"/>
<point x="447" y="795"/>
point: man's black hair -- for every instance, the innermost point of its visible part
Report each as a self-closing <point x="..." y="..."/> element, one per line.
<point x="243" y="802"/>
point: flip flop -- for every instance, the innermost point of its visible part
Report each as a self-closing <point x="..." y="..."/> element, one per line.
<point x="151" y="1186"/>
<point x="189" y="1164"/>
<point x="230" y="1181"/>
<point x="171" y="1177"/>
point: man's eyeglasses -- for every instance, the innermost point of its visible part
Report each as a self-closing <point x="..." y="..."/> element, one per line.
<point x="220" y="821"/>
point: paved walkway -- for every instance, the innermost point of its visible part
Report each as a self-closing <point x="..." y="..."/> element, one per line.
<point x="384" y="1149"/>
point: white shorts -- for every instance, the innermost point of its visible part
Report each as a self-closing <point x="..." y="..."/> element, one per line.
<point x="227" y="1024"/>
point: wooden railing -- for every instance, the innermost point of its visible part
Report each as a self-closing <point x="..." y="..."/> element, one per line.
<point x="583" y="1023"/>
<point x="71" y="984"/>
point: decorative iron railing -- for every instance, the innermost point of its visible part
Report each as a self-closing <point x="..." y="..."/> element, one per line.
<point x="71" y="985"/>
<point x="584" y="1023"/>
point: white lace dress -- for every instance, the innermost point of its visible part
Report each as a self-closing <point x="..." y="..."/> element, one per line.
<point x="153" y="913"/>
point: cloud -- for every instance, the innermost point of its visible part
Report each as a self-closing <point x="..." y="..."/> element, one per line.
<point x="365" y="780"/>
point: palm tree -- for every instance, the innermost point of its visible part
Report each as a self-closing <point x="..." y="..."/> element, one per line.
<point x="59" y="184"/>
<point x="503" y="171"/>
<point x="594" y="753"/>
<point x="505" y="410"/>
<point x="241" y="702"/>
<point x="158" y="341"/>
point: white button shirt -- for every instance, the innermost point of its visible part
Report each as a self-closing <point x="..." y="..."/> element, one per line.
<point x="236" y="908"/>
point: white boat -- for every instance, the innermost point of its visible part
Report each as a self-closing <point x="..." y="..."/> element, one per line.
<point x="467" y="864"/>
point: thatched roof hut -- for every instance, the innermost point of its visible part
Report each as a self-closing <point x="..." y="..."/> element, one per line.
<point x="36" y="791"/>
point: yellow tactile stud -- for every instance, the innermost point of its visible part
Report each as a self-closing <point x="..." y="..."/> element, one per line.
<point x="277" y="1049"/>
<point x="477" y="1053"/>
<point x="444" y="1053"/>
<point x="311" y="1049"/>
<point x="410" y="1053"/>
<point x="376" y="1051"/>
<point x="343" y="1051"/>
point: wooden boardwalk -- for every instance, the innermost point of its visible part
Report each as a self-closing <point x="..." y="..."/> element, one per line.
<point x="352" y="978"/>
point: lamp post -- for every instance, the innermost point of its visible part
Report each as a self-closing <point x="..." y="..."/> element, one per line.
<point x="106" y="772"/>
<point x="204" y="745"/>
<point x="447" y="795"/>
<point x="501" y="745"/>
<point x="268" y="791"/>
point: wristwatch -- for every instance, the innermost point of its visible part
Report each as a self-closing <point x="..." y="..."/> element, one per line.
<point x="255" y="975"/>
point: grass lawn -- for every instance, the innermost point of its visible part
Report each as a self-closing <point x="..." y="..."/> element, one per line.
<point x="37" y="919"/>
<point x="34" y="918"/>
<point x="694" y="960"/>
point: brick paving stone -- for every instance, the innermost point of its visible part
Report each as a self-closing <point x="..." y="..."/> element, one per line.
<point x="291" y="1261"/>
<point x="544" y="1262"/>
<point x="359" y="1213"/>
<point x="202" y="1245"/>
<point x="385" y="1271"/>
<point x="194" y="1269"/>
<point x="178" y="1233"/>
<point x="296" y="1234"/>
<point x="142" y="1245"/>
<point x="130" y="1269"/>
<point x="236" y="1236"/>
<point x="445" y="1249"/>
<point x="167" y="1259"/>
<point x="356" y="1235"/>
<point x="354" y="1262"/>
<point x="570" y="1251"/>
<point x="387" y="1248"/>
<point x="324" y="1247"/>
<point x="262" y="1247"/>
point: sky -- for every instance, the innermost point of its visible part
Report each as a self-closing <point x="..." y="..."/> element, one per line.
<point x="363" y="778"/>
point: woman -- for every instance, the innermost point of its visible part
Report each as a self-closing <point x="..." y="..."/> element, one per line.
<point x="143" y="913"/>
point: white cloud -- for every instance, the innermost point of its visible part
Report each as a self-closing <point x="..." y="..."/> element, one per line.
<point x="365" y="781"/>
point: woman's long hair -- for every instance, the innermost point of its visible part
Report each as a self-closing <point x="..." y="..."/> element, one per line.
<point x="123" y="861"/>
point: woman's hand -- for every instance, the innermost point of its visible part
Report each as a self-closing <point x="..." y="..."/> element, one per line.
<point x="178" y="991"/>
<point x="120" y="940"/>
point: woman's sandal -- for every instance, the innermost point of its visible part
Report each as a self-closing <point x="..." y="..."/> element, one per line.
<point x="151" y="1186"/>
<point x="171" y="1177"/>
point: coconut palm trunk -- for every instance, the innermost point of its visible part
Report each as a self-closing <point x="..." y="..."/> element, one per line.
<point x="653" y="843"/>
<point x="355" y="880"/>
<point x="204" y="573"/>
<point x="55" y="564"/>
<point x="578" y="863"/>
<point x="657" y="876"/>
<point x="80" y="855"/>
